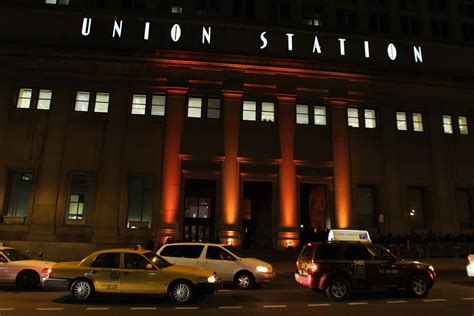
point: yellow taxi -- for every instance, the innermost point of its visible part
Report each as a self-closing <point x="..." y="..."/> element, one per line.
<point x="130" y="271"/>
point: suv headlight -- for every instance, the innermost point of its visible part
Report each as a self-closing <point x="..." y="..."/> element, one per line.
<point x="262" y="269"/>
<point x="431" y="268"/>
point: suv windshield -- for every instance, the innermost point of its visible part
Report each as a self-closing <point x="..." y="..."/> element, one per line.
<point x="15" y="255"/>
<point x="157" y="260"/>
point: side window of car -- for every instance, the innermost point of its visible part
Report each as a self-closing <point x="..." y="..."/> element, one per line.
<point x="217" y="253"/>
<point x="356" y="252"/>
<point x="380" y="253"/>
<point x="171" y="251"/>
<point x="107" y="260"/>
<point x="134" y="261"/>
<point x="183" y="251"/>
<point x="3" y="259"/>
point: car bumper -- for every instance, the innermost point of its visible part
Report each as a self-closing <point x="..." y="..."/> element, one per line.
<point x="311" y="280"/>
<point x="56" y="284"/>
<point x="208" y="288"/>
<point x="264" y="277"/>
<point x="470" y="270"/>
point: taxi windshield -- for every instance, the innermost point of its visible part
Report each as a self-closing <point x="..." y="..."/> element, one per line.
<point x="15" y="255"/>
<point x="157" y="260"/>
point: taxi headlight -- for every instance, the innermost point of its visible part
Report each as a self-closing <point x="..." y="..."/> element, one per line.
<point x="211" y="279"/>
<point x="262" y="269"/>
<point x="431" y="268"/>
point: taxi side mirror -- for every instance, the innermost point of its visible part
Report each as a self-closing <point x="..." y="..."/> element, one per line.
<point x="149" y="266"/>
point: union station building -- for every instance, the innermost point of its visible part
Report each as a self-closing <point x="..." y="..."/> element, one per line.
<point x="248" y="122"/>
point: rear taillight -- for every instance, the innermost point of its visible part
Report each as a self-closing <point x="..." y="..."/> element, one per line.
<point x="313" y="267"/>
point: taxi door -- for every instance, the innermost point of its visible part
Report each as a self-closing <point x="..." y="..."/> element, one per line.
<point x="135" y="278"/>
<point x="385" y="270"/>
<point x="220" y="261"/>
<point x="105" y="272"/>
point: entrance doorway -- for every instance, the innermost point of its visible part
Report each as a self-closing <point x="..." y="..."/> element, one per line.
<point x="313" y="211"/>
<point x="199" y="206"/>
<point x="257" y="214"/>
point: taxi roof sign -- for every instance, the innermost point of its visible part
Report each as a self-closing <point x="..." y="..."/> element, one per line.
<point x="349" y="235"/>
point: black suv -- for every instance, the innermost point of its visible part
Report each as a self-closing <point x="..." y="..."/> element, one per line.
<point x="339" y="267"/>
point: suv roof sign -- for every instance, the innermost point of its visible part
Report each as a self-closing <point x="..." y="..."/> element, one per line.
<point x="349" y="235"/>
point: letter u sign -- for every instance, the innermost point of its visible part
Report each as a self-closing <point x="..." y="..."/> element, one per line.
<point x="86" y="26"/>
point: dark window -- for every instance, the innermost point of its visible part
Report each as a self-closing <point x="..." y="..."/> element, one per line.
<point x="308" y="252"/>
<point x="217" y="253"/>
<point x="207" y="7"/>
<point x="366" y="207"/>
<point x="437" y="5"/>
<point x="140" y="202"/>
<point x="346" y="19"/>
<point x="380" y="253"/>
<point x="467" y="31"/>
<point x="378" y="3"/>
<point x="466" y="8"/>
<point x="182" y="251"/>
<point x="464" y="209"/>
<point x="20" y="186"/>
<point x="134" y="261"/>
<point x="244" y="8"/>
<point x="328" y="252"/>
<point x="409" y="25"/>
<point x="416" y="209"/>
<point x="378" y="22"/>
<point x="134" y="4"/>
<point x="313" y="16"/>
<point x="107" y="260"/>
<point x="440" y="29"/>
<point x="407" y="4"/>
<point x="357" y="252"/>
<point x="279" y="11"/>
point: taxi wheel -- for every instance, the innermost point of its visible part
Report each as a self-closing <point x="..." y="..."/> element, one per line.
<point x="244" y="280"/>
<point x="82" y="290"/>
<point x="27" y="280"/>
<point x="338" y="289"/>
<point x="181" y="292"/>
<point x="419" y="286"/>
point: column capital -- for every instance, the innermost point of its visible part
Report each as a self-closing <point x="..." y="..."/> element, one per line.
<point x="177" y="90"/>
<point x="232" y="94"/>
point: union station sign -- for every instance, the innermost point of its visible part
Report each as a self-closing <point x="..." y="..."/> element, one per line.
<point x="263" y="40"/>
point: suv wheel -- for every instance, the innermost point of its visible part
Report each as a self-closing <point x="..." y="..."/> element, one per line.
<point x="338" y="289"/>
<point x="244" y="280"/>
<point x="419" y="286"/>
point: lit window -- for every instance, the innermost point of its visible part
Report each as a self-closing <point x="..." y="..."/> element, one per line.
<point x="447" y="124"/>
<point x="44" y="99"/>
<point x="76" y="206"/>
<point x="249" y="111"/>
<point x="320" y="115"/>
<point x="268" y="112"/>
<point x="61" y="2"/>
<point x="82" y="101"/>
<point x="194" y="107"/>
<point x="139" y="104"/>
<point x="80" y="194"/>
<point x="24" y="98"/>
<point x="463" y="127"/>
<point x="370" y="121"/>
<point x="158" y="104"/>
<point x="402" y="121"/>
<point x="417" y="122"/>
<point x="214" y="108"/>
<point x="176" y="9"/>
<point x="102" y="102"/>
<point x="353" y="117"/>
<point x="302" y="114"/>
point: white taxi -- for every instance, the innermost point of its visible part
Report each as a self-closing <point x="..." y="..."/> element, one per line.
<point x="17" y="268"/>
<point x="229" y="267"/>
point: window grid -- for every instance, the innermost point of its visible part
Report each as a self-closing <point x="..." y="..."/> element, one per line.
<point x="353" y="117"/>
<point x="195" y="107"/>
<point x="463" y="126"/>
<point x="418" y="122"/>
<point x="82" y="101"/>
<point x="249" y="112"/>
<point x="139" y="104"/>
<point x="24" y="98"/>
<point x="320" y="117"/>
<point x="102" y="102"/>
<point x="447" y="124"/>
<point x="402" y="124"/>
<point x="214" y="108"/>
<point x="268" y="112"/>
<point x="370" y="119"/>
<point x="44" y="99"/>
<point x="302" y="114"/>
<point x="158" y="105"/>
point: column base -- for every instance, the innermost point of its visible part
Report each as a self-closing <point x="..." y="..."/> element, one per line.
<point x="230" y="237"/>
<point x="288" y="241"/>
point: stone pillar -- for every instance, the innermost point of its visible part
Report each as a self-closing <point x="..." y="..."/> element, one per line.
<point x="230" y="217"/>
<point x="342" y="163"/>
<point x="171" y="181"/>
<point x="287" y="230"/>
<point x="42" y="221"/>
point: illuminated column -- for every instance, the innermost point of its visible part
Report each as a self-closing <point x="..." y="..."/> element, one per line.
<point x="288" y="233"/>
<point x="171" y="181"/>
<point x="229" y="216"/>
<point x="342" y="163"/>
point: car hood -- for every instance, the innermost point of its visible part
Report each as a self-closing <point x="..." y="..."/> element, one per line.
<point x="32" y="263"/>
<point x="185" y="270"/>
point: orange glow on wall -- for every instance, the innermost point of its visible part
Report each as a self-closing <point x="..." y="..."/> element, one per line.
<point x="230" y="170"/>
<point x="341" y="157"/>
<point x="171" y="186"/>
<point x="287" y="177"/>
